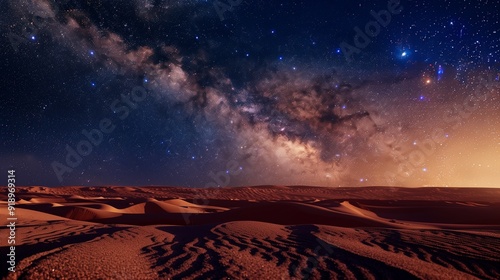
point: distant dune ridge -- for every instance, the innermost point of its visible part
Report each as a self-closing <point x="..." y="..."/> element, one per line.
<point x="264" y="232"/>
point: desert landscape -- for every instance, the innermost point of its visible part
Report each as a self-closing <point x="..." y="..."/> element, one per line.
<point x="231" y="139"/>
<point x="264" y="232"/>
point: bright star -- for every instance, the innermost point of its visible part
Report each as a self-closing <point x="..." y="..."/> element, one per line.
<point x="440" y="72"/>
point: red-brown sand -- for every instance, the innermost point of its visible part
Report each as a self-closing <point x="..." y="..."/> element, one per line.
<point x="265" y="232"/>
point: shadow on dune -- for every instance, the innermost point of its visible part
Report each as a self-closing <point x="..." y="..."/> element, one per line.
<point x="335" y="261"/>
<point x="188" y="254"/>
<point x="447" y="212"/>
<point x="197" y="251"/>
<point x="284" y="213"/>
<point x="327" y="212"/>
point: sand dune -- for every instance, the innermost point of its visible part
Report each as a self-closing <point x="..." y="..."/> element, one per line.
<point x="252" y="233"/>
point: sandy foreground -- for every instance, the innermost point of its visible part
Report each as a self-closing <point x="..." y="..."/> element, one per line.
<point x="266" y="232"/>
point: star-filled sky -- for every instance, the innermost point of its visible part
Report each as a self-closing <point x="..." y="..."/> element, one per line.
<point x="239" y="92"/>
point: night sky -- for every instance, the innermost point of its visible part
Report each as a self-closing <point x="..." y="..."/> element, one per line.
<point x="216" y="93"/>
